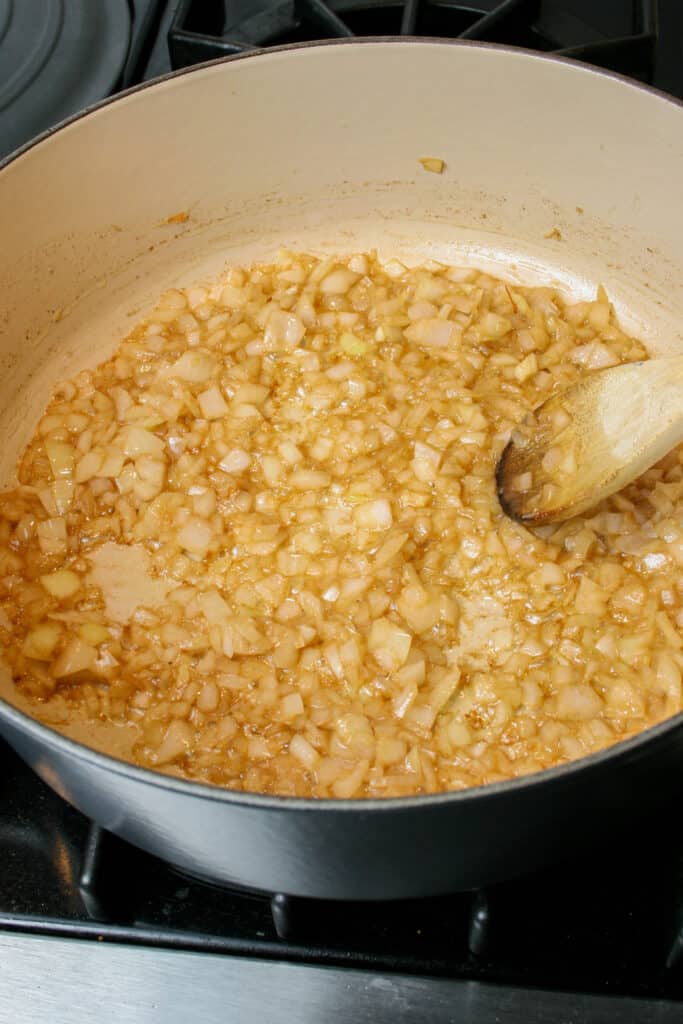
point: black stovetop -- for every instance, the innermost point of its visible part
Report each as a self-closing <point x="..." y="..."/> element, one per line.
<point x="611" y="923"/>
<point x="57" y="56"/>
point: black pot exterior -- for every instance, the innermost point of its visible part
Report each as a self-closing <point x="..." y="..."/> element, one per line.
<point x="390" y="849"/>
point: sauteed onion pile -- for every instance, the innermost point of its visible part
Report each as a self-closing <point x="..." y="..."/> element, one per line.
<point x="293" y="470"/>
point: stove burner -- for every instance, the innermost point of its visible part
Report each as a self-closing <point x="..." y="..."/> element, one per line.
<point x="610" y="922"/>
<point x="593" y="923"/>
<point x="613" y="34"/>
<point x="56" y="57"/>
<point x="59" y="56"/>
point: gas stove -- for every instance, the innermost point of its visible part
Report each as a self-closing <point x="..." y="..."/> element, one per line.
<point x="91" y="927"/>
<point x="59" y="56"/>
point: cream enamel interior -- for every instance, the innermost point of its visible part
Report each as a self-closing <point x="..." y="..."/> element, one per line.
<point x="553" y="174"/>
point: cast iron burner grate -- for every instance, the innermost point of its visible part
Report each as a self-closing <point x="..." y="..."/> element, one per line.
<point x="578" y="929"/>
<point x="609" y="923"/>
<point x="617" y="34"/>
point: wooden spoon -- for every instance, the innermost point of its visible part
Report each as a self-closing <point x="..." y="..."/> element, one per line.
<point x="590" y="440"/>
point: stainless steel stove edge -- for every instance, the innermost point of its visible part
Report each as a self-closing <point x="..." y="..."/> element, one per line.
<point x="72" y="981"/>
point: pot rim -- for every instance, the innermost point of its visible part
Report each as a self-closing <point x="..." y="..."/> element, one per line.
<point x="563" y="773"/>
<point x="559" y="775"/>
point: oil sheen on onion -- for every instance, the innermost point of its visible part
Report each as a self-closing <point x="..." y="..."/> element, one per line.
<point x="265" y="536"/>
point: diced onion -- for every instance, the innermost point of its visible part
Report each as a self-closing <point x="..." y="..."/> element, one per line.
<point x="313" y="591"/>
<point x="374" y="515"/>
<point x="195" y="367"/>
<point x="426" y="462"/>
<point x="212" y="404"/>
<point x="93" y="633"/>
<point x="389" y="644"/>
<point x="235" y="461"/>
<point x="338" y="282"/>
<point x="138" y="441"/>
<point x="52" y="536"/>
<point x="301" y="749"/>
<point x="41" y="641"/>
<point x="76" y="658"/>
<point x="195" y="536"/>
<point x="353" y="345"/>
<point x="62" y="457"/>
<point x="434" y="164"/>
<point x="213" y="607"/>
<point x="493" y="327"/>
<point x="291" y="706"/>
<point x="62" y="583"/>
<point x="433" y="332"/>
<point x="309" y="480"/>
